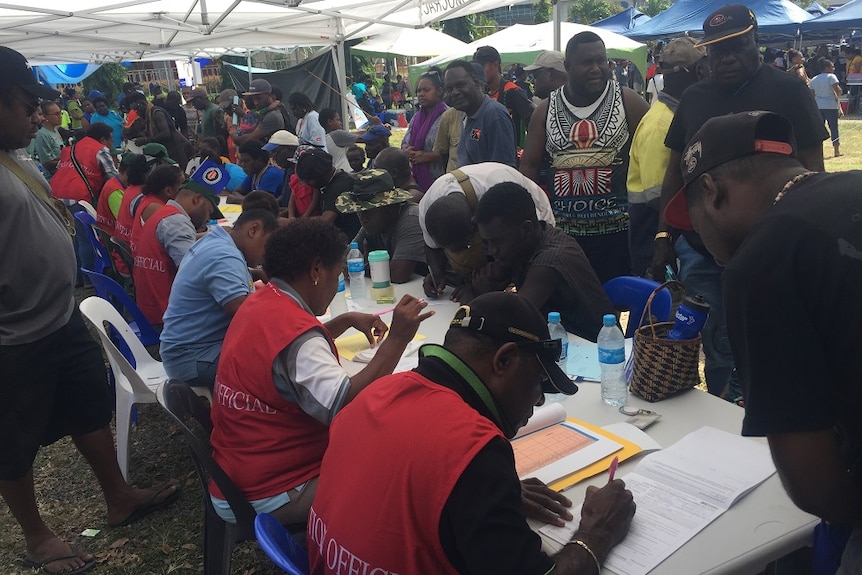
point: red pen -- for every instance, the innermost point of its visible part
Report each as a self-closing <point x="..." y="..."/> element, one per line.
<point x="613" y="469"/>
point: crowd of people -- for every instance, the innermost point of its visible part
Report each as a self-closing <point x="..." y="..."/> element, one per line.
<point x="522" y="199"/>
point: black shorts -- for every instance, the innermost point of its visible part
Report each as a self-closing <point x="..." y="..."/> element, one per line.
<point x="51" y="388"/>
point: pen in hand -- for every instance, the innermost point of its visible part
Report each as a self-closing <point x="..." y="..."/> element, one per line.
<point x="613" y="469"/>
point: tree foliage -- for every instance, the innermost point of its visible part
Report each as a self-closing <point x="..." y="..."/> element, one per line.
<point x="108" y="79"/>
<point x="653" y="7"/>
<point x="589" y="11"/>
<point x="542" y="12"/>
<point x="470" y="28"/>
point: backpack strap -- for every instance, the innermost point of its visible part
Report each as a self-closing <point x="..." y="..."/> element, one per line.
<point x="467" y="186"/>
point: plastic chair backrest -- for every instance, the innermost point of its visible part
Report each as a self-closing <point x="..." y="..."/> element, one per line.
<point x="181" y="402"/>
<point x="103" y="258"/>
<point x="99" y="311"/>
<point x="123" y="249"/>
<point x="631" y="293"/>
<point x="89" y="208"/>
<point x="279" y="546"/>
<point x="108" y="289"/>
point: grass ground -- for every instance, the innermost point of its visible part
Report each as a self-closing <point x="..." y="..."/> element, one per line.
<point x="171" y="542"/>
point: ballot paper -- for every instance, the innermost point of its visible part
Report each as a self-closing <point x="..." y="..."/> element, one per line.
<point x="679" y="491"/>
<point x="551" y="447"/>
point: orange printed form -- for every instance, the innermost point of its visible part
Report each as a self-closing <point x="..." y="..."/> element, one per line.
<point x="562" y="452"/>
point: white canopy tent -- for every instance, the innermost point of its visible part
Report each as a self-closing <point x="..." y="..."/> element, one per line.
<point x="104" y="31"/>
<point x="521" y="44"/>
<point x="418" y="43"/>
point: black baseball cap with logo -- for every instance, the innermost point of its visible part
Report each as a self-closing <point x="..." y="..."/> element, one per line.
<point x="721" y="140"/>
<point x="15" y="71"/>
<point x="729" y="21"/>
<point x="509" y="317"/>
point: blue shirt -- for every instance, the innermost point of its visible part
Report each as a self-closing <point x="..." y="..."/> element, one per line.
<point x="488" y="136"/>
<point x="270" y="181"/>
<point x="213" y="273"/>
<point x="115" y="121"/>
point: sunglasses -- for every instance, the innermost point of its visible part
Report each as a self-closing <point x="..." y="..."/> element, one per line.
<point x="30" y="107"/>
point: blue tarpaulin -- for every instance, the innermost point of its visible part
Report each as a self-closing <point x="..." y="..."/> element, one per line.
<point x="622" y="22"/>
<point x="816" y="8"/>
<point x="845" y="17"/>
<point x="774" y="18"/>
<point x="64" y="73"/>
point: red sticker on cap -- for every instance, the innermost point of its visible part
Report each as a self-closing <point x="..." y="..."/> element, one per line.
<point x="717" y="20"/>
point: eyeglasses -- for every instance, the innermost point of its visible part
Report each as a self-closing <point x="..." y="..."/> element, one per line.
<point x="30" y="107"/>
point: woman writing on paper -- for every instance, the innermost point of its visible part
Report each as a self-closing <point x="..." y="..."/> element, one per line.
<point x="272" y="411"/>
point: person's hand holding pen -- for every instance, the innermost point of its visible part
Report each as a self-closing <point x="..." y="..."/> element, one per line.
<point x="433" y="287"/>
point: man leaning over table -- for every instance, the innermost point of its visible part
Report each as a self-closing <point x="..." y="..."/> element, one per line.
<point x="394" y="501"/>
<point x="790" y="242"/>
<point x="53" y="375"/>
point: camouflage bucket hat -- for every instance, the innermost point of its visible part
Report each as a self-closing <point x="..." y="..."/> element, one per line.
<point x="372" y="189"/>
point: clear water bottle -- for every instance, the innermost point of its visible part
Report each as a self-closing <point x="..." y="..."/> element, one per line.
<point x="612" y="359"/>
<point x="338" y="305"/>
<point x="356" y="270"/>
<point x="557" y="331"/>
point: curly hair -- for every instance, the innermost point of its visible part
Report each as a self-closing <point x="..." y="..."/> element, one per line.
<point x="159" y="178"/>
<point x="291" y="250"/>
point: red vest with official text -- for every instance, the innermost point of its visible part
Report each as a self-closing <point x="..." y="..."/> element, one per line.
<point x="395" y="453"/>
<point x="126" y="215"/>
<point x="265" y="443"/>
<point x="137" y="224"/>
<point x="67" y="184"/>
<point x="105" y="217"/>
<point x="154" y="271"/>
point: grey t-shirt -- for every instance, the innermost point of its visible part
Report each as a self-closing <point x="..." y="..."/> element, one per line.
<point x="176" y="233"/>
<point x="403" y="242"/>
<point x="37" y="277"/>
<point x="271" y="122"/>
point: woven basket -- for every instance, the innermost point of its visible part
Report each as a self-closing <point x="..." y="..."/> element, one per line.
<point x="662" y="367"/>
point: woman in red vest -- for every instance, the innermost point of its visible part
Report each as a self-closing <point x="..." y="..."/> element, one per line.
<point x="271" y="412"/>
<point x="133" y="174"/>
<point x="162" y="184"/>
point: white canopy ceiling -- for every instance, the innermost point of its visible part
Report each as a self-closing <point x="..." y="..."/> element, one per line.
<point x="101" y="31"/>
<point x="406" y="42"/>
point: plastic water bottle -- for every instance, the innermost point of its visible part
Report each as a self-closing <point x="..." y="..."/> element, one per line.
<point x="612" y="358"/>
<point x="356" y="270"/>
<point x="338" y="305"/>
<point x="557" y="331"/>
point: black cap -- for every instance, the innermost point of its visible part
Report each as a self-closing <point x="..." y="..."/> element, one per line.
<point x="721" y="140"/>
<point x="728" y="22"/>
<point x="15" y="71"/>
<point x="313" y="164"/>
<point x="509" y="317"/>
<point x="485" y="54"/>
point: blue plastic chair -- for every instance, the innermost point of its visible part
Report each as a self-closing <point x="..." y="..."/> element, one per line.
<point x="108" y="289"/>
<point x="279" y="546"/>
<point x="102" y="260"/>
<point x="631" y="293"/>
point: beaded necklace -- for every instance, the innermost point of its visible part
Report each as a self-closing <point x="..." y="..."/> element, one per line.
<point x="795" y="180"/>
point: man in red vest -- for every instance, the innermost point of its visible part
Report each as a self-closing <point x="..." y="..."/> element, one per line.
<point x="168" y="235"/>
<point x="419" y="476"/>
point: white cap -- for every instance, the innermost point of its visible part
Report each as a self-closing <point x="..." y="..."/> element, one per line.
<point x="281" y="138"/>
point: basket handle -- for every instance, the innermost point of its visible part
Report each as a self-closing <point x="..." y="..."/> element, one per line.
<point x="647" y="312"/>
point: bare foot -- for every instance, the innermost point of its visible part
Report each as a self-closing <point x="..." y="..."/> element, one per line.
<point x="68" y="557"/>
<point x="137" y="503"/>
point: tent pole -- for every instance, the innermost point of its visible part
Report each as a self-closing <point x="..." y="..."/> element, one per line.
<point x="248" y="63"/>
<point x="557" y="17"/>
<point x="341" y="70"/>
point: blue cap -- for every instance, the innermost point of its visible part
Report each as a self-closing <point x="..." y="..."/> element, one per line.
<point x="609" y="319"/>
<point x="375" y="132"/>
<point x="354" y="245"/>
<point x="554" y="317"/>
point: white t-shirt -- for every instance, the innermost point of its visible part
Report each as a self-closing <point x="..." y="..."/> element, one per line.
<point x="483" y="176"/>
<point x="655" y="85"/>
<point x="824" y="95"/>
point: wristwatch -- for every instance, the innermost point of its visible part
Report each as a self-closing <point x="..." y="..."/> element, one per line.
<point x="662" y="235"/>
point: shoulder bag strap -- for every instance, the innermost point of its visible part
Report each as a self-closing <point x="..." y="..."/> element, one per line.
<point x="466" y="185"/>
<point x="82" y="174"/>
<point x="39" y="191"/>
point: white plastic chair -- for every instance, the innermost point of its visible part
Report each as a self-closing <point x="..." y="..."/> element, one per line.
<point x="133" y="385"/>
<point x="89" y="208"/>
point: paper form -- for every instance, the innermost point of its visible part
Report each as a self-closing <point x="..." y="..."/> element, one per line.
<point x="678" y="492"/>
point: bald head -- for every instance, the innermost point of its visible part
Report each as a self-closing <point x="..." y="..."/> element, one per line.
<point x="396" y="162"/>
<point x="449" y="221"/>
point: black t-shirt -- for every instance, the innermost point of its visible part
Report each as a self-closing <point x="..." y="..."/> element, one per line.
<point x="341" y="182"/>
<point x="793" y="300"/>
<point x="483" y="528"/>
<point x="769" y="89"/>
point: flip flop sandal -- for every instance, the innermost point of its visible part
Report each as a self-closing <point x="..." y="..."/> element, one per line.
<point x="150" y="505"/>
<point x="41" y="565"/>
